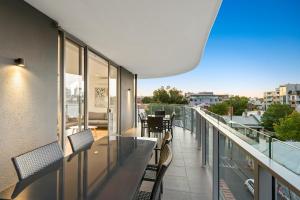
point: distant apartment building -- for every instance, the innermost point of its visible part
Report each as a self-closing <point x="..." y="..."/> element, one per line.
<point x="205" y="99"/>
<point x="285" y="94"/>
<point x="255" y="103"/>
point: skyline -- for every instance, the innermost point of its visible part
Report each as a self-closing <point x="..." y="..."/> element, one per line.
<point x="253" y="47"/>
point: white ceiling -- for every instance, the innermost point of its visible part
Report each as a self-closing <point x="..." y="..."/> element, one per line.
<point x="152" y="38"/>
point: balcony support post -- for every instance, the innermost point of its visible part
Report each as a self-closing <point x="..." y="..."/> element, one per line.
<point x="183" y="117"/>
<point x="203" y="140"/>
<point x="192" y="120"/>
<point x="198" y="129"/>
<point x="215" y="165"/>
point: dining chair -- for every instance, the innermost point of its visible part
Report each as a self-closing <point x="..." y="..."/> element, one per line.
<point x="152" y="169"/>
<point x="160" y="113"/>
<point x="81" y="140"/>
<point x="171" y="124"/>
<point x="155" y="125"/>
<point x="32" y="162"/>
<point x="156" y="189"/>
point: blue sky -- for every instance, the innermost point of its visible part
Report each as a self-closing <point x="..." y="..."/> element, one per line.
<point x="254" y="46"/>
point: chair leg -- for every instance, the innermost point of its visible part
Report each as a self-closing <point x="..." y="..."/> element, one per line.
<point x="156" y="159"/>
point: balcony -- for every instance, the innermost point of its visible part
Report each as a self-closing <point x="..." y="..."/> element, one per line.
<point x="62" y="73"/>
<point x="224" y="163"/>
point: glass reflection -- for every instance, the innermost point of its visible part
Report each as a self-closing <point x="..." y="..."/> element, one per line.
<point x="236" y="171"/>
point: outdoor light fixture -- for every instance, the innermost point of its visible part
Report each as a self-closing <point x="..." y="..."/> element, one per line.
<point x="20" y="62"/>
<point x="129" y="89"/>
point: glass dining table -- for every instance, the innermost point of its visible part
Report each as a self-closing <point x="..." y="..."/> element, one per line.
<point x="111" y="168"/>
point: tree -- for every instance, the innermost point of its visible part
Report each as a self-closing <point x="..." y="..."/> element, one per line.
<point x="169" y="96"/>
<point x="239" y="104"/>
<point x="176" y="97"/>
<point x="147" y="100"/>
<point x="220" y="108"/>
<point x="161" y="95"/>
<point x="288" y="128"/>
<point x="273" y="114"/>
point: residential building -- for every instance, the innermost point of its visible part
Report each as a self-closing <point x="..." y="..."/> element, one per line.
<point x="255" y="103"/>
<point x="240" y="122"/>
<point x="205" y="99"/>
<point x="285" y="94"/>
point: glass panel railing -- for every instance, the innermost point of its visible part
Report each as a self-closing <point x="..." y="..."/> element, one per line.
<point x="287" y="154"/>
<point x="282" y="192"/>
<point x="236" y="171"/>
<point x="257" y="139"/>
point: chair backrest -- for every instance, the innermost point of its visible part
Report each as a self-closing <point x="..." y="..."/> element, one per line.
<point x="32" y="162"/>
<point x="81" y="139"/>
<point x="167" y="159"/>
<point x="167" y="139"/>
<point x="160" y="113"/>
<point x="155" y="124"/>
<point x="172" y="119"/>
<point x="140" y="117"/>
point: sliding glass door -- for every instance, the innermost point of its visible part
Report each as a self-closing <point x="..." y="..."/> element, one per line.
<point x="87" y="92"/>
<point x="113" y="99"/>
<point x="74" y="88"/>
<point x="98" y="95"/>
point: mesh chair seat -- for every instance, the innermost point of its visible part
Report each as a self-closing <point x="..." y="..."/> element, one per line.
<point x="34" y="161"/>
<point x="81" y="139"/>
<point x="150" y="175"/>
<point x="142" y="195"/>
<point x="152" y="167"/>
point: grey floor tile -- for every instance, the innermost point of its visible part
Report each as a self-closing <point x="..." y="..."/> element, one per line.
<point x="176" y="183"/>
<point x="176" y="195"/>
<point x="176" y="171"/>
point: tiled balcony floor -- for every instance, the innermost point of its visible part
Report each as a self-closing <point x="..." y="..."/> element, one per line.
<point x="185" y="179"/>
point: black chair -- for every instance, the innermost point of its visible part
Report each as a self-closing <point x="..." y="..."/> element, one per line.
<point x="156" y="193"/>
<point x="81" y="140"/>
<point x="160" y="113"/>
<point x="171" y="124"/>
<point x="30" y="163"/>
<point x="155" y="125"/>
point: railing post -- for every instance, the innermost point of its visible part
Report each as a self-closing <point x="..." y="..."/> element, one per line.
<point x="183" y="117"/>
<point x="198" y="129"/>
<point x="270" y="147"/>
<point x="203" y="140"/>
<point x="215" y="165"/>
<point x="192" y="120"/>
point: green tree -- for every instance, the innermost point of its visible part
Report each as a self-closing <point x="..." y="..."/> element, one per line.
<point x="220" y="108"/>
<point x="273" y="114"/>
<point x="161" y="95"/>
<point x="147" y="100"/>
<point x="239" y="104"/>
<point x="288" y="128"/>
<point x="169" y="96"/>
<point x="176" y="97"/>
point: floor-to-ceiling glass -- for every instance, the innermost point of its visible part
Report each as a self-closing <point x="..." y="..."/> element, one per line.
<point x="113" y="99"/>
<point x="74" y="89"/>
<point x="98" y="95"/>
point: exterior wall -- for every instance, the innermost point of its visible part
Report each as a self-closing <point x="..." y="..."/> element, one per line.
<point x="127" y="98"/>
<point x="28" y="100"/>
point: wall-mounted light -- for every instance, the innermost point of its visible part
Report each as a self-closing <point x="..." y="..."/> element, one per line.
<point x="20" y="62"/>
<point x="129" y="89"/>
